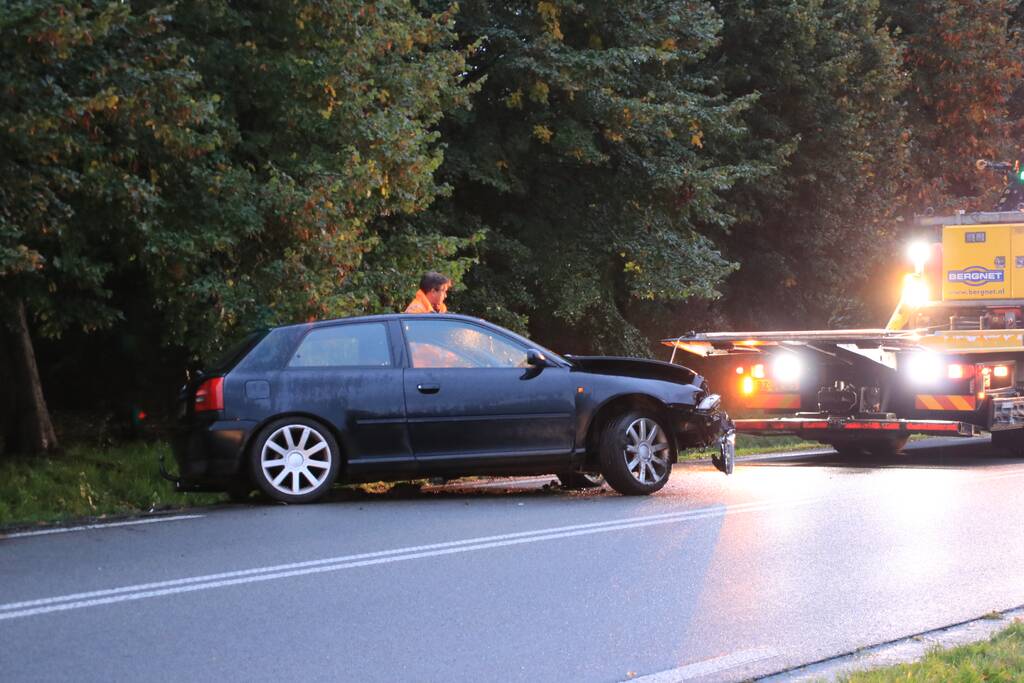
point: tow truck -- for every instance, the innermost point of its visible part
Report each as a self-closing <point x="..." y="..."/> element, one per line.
<point x="949" y="362"/>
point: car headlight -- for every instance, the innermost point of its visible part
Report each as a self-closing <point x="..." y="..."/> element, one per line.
<point x="924" y="367"/>
<point x="787" y="367"/>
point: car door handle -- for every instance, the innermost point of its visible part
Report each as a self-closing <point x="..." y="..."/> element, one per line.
<point x="428" y="388"/>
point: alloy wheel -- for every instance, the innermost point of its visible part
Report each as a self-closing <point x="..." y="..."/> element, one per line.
<point x="646" y="451"/>
<point x="296" y="459"/>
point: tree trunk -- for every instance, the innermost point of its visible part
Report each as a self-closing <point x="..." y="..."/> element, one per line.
<point x="32" y="429"/>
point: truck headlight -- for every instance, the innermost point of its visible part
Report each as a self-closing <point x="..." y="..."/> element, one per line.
<point x="787" y="367"/>
<point x="924" y="367"/>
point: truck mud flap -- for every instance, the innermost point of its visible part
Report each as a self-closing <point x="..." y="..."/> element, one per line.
<point x="818" y="429"/>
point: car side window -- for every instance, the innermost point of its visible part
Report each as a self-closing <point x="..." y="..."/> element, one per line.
<point x="357" y="344"/>
<point x="452" y="344"/>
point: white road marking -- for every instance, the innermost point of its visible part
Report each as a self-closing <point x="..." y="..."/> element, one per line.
<point x="708" y="666"/>
<point x="15" y="610"/>
<point x="64" y="530"/>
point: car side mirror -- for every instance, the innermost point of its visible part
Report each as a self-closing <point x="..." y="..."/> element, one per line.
<point x="537" y="359"/>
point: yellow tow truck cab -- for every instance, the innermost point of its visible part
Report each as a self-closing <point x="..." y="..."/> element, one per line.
<point x="950" y="360"/>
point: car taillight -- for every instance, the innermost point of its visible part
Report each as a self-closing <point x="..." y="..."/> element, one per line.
<point x="210" y="395"/>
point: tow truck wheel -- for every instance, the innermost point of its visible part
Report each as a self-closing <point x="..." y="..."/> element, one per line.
<point x="636" y="453"/>
<point x="1011" y="442"/>
<point x="580" y="480"/>
<point x="883" y="448"/>
<point x="848" y="450"/>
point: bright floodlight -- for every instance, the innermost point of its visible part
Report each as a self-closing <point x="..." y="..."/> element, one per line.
<point x="924" y="367"/>
<point x="915" y="291"/>
<point x="918" y="253"/>
<point x="787" y="367"/>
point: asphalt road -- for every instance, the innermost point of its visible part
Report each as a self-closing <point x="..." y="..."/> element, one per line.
<point x="788" y="561"/>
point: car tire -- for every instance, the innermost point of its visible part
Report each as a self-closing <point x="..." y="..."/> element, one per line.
<point x="574" y="481"/>
<point x="636" y="453"/>
<point x="295" y="460"/>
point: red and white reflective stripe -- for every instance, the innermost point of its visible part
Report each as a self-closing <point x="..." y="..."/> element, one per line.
<point x="779" y="425"/>
<point x="933" y="426"/>
<point x="796" y="426"/>
<point x="944" y="402"/>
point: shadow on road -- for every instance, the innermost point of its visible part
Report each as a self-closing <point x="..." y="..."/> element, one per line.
<point x="929" y="454"/>
<point x="522" y="488"/>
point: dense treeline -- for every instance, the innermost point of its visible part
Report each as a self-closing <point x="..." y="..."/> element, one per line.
<point x="595" y="173"/>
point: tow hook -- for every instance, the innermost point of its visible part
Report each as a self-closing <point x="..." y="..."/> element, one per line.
<point x="167" y="475"/>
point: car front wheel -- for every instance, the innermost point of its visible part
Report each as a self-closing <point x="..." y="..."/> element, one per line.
<point x="636" y="453"/>
<point x="295" y="460"/>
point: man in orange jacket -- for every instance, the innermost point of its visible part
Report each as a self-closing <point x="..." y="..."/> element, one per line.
<point x="431" y="295"/>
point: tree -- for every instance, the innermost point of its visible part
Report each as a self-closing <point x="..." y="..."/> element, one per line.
<point x="81" y="83"/>
<point x="330" y="107"/>
<point x="592" y="159"/>
<point x="830" y="111"/>
<point x="964" y="63"/>
<point x="226" y="164"/>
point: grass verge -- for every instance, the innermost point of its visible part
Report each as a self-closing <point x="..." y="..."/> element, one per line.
<point x="89" y="482"/>
<point x="1000" y="658"/>
<point x="747" y="444"/>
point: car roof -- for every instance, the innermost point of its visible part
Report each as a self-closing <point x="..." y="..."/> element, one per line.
<point x="386" y="316"/>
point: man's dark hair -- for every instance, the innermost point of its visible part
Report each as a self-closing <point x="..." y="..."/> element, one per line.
<point x="433" y="280"/>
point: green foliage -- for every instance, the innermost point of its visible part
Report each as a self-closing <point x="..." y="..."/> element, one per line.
<point x="594" y="172"/>
<point x="1000" y="658"/>
<point x="830" y="88"/>
<point x="230" y="163"/>
<point x="330" y="107"/>
<point x="592" y="157"/>
<point x="964" y="63"/>
<point x="94" y="99"/>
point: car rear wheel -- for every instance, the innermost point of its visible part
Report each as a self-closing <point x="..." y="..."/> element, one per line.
<point x="636" y="453"/>
<point x="295" y="460"/>
<point x="580" y="480"/>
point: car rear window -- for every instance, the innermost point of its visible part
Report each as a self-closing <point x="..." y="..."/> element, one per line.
<point x="234" y="352"/>
<point x="360" y="344"/>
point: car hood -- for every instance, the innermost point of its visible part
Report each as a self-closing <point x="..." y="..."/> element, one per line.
<point x="635" y="367"/>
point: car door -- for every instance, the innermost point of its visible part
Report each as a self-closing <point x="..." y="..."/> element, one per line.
<point x="348" y="374"/>
<point x="471" y="398"/>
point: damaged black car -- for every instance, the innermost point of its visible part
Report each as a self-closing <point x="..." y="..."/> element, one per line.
<point x="295" y="409"/>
